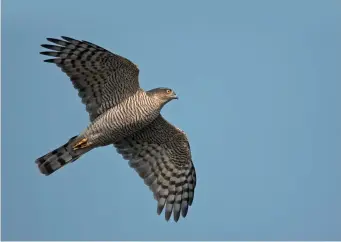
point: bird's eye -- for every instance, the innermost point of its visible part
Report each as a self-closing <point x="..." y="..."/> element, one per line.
<point x="168" y="91"/>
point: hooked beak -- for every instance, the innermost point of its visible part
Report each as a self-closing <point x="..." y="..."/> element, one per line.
<point x="174" y="96"/>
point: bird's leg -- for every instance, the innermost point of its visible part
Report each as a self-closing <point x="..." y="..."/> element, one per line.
<point x="83" y="143"/>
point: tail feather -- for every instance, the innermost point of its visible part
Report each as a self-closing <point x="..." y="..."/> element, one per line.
<point x="58" y="158"/>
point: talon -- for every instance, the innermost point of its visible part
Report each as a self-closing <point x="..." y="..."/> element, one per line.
<point x="81" y="144"/>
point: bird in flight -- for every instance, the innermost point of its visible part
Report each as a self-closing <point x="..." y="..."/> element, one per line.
<point x="122" y="114"/>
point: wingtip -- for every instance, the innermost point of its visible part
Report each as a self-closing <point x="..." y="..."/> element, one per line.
<point x="69" y="39"/>
<point x="167" y="218"/>
<point x="45" y="52"/>
<point x="168" y="215"/>
<point x="184" y="211"/>
<point x="51" y="39"/>
<point x="49" y="60"/>
<point x="176" y="218"/>
<point x="45" y="45"/>
<point x="159" y="211"/>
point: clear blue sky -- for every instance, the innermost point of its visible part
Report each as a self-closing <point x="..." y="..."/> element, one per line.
<point x="259" y="87"/>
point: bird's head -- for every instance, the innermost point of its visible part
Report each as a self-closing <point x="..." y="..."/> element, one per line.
<point x="162" y="94"/>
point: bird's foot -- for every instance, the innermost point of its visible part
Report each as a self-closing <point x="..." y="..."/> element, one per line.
<point x="83" y="143"/>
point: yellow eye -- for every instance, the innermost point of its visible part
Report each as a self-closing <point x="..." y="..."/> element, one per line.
<point x="168" y="91"/>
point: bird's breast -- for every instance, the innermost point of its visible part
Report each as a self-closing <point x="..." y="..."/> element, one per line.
<point x="123" y="120"/>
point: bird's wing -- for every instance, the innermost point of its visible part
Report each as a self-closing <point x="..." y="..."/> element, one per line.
<point x="161" y="155"/>
<point x="103" y="79"/>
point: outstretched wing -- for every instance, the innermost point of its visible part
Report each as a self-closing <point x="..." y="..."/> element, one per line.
<point x="161" y="155"/>
<point x="103" y="79"/>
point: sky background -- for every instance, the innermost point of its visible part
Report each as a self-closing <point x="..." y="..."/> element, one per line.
<point x="259" y="87"/>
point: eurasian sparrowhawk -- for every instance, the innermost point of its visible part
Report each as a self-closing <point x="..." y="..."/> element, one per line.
<point x="124" y="115"/>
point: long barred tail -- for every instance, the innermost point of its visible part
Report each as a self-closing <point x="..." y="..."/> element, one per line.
<point x="58" y="158"/>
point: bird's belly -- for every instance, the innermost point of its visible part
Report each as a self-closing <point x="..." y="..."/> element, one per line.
<point x="116" y="125"/>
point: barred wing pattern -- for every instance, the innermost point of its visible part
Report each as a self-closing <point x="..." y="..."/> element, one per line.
<point x="103" y="79"/>
<point x="160" y="153"/>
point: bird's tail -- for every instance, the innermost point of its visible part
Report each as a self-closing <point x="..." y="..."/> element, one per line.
<point x="59" y="157"/>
